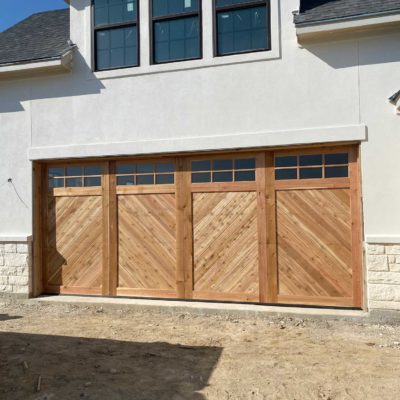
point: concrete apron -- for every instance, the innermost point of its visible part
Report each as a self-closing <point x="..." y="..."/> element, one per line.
<point x="231" y="310"/>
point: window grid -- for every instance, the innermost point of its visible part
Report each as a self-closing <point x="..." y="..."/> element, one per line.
<point x="152" y="177"/>
<point x="212" y="171"/>
<point x="323" y="165"/>
<point x="245" y="5"/>
<point x="174" y="17"/>
<point x="114" y="26"/>
<point x="62" y="179"/>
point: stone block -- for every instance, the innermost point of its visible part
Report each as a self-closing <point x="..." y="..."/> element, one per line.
<point x="18" y="280"/>
<point x="383" y="305"/>
<point x="16" y="260"/>
<point x="378" y="249"/>
<point x="377" y="263"/>
<point x="393" y="249"/>
<point x="392" y="278"/>
<point x="20" y="289"/>
<point x="394" y="267"/>
<point x="1" y="260"/>
<point x="23" y="248"/>
<point x="384" y="292"/>
<point x="3" y="280"/>
<point x="12" y="248"/>
<point x="6" y="288"/>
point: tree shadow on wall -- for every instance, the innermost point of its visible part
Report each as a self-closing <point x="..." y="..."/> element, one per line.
<point x="73" y="368"/>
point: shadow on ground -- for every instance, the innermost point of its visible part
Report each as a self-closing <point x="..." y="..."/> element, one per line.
<point x="6" y="317"/>
<point x="80" y="368"/>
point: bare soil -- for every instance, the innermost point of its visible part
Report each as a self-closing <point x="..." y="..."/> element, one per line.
<point x="78" y="352"/>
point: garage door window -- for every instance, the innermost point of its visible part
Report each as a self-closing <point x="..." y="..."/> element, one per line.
<point x="145" y="174"/>
<point x="224" y="170"/>
<point x="312" y="166"/>
<point x="73" y="176"/>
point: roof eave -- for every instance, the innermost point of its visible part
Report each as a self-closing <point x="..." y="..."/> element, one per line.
<point x="325" y="28"/>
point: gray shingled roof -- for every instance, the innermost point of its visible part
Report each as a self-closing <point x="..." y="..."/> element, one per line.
<point x="41" y="36"/>
<point x="393" y="99"/>
<point x="319" y="11"/>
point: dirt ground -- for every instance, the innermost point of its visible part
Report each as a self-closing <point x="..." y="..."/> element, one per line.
<point x="78" y="352"/>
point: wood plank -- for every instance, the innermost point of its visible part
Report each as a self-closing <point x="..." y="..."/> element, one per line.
<point x="316" y="301"/>
<point x="356" y="227"/>
<point x="307" y="184"/>
<point x="55" y="289"/>
<point x="224" y="187"/>
<point x="146" y="189"/>
<point x="152" y="293"/>
<point x="218" y="296"/>
<point x="80" y="191"/>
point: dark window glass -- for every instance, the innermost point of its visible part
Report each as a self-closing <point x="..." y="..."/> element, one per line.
<point x="56" y="171"/>
<point x="164" y="179"/>
<point x="74" y="171"/>
<point x="172" y="7"/>
<point x="203" y="177"/>
<point x="114" y="11"/>
<point x="125" y="180"/>
<point x="245" y="176"/>
<point x="220" y="165"/>
<point x="223" y="176"/>
<point x="201" y="165"/>
<point x="165" y="167"/>
<point x="92" y="170"/>
<point x="245" y="163"/>
<point x="126" y="169"/>
<point x="74" y="182"/>
<point x="242" y="30"/>
<point x="56" y="183"/>
<point x="223" y="3"/>
<point x="145" y="179"/>
<point x="286" y="161"/>
<point x="337" y="172"/>
<point x="145" y="168"/>
<point x="340" y="158"/>
<point x="92" y="181"/>
<point x="310" y="173"/>
<point x="312" y="159"/>
<point x="283" y="174"/>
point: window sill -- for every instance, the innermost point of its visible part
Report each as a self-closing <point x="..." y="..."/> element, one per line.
<point x="190" y="64"/>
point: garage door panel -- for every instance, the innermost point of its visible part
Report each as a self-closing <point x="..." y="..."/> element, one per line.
<point x="147" y="241"/>
<point x="74" y="241"/>
<point x="314" y="243"/>
<point x="225" y="242"/>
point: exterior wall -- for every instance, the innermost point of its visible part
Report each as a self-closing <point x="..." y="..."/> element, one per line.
<point x="317" y="92"/>
<point x="15" y="268"/>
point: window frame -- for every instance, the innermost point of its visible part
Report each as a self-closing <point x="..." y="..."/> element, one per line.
<point x="174" y="17"/>
<point x="233" y="7"/>
<point x="109" y="27"/>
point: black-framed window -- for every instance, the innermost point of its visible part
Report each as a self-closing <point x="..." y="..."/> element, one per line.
<point x="175" y="30"/>
<point x="242" y="26"/>
<point x="116" y="33"/>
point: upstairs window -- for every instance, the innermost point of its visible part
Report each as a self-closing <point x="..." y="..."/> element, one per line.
<point x="176" y="30"/>
<point x="116" y="34"/>
<point x="242" y="26"/>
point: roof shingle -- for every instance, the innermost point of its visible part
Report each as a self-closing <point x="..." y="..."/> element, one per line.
<point x="40" y="36"/>
<point x="319" y="11"/>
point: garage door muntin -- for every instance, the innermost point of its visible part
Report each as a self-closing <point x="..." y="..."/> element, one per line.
<point x="265" y="188"/>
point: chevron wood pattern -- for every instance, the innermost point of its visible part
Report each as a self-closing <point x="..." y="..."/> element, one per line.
<point x="225" y="242"/>
<point x="74" y="242"/>
<point x="314" y="243"/>
<point x="147" y="241"/>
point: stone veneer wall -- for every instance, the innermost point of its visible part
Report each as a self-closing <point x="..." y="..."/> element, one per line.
<point x="15" y="268"/>
<point x="383" y="276"/>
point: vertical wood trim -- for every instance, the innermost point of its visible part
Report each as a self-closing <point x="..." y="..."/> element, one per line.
<point x="184" y="230"/>
<point x="262" y="228"/>
<point x="356" y="226"/>
<point x="110" y="250"/>
<point x="272" y="262"/>
<point x="37" y="270"/>
<point x="45" y="225"/>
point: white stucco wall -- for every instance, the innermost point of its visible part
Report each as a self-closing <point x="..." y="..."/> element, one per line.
<point x="317" y="92"/>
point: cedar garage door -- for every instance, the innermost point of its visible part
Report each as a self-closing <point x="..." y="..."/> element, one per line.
<point x="271" y="227"/>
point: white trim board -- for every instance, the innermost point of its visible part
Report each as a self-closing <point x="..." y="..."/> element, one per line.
<point x="204" y="143"/>
<point x="382" y="239"/>
<point x="15" y="239"/>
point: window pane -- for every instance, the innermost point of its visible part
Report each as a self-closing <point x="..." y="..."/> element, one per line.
<point x="177" y="39"/>
<point x="56" y="183"/>
<point x="336" y="172"/>
<point x="165" y="167"/>
<point x="93" y="170"/>
<point x="114" y="11"/>
<point x="223" y="3"/>
<point x="282" y="174"/>
<point x="286" y="161"/>
<point x="74" y="171"/>
<point x="310" y="173"/>
<point x="219" y="165"/>
<point x="245" y="176"/>
<point x="164" y="179"/>
<point x="242" y="30"/>
<point x="203" y="177"/>
<point x="145" y="179"/>
<point x="93" y="181"/>
<point x="312" y="159"/>
<point x="126" y="168"/>
<point x="145" y="168"/>
<point x="125" y="180"/>
<point x="245" y="163"/>
<point x="222" y="176"/>
<point x="74" y="182"/>
<point x="56" y="171"/>
<point x="340" y="158"/>
<point x="201" y="165"/>
<point x="170" y="7"/>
